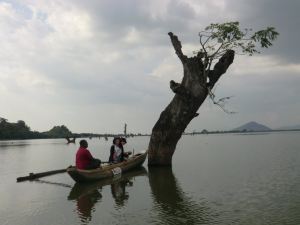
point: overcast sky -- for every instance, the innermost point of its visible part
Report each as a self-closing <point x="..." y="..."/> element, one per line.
<point x="93" y="65"/>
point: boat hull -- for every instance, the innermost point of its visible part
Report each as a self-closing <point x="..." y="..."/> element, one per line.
<point x="107" y="171"/>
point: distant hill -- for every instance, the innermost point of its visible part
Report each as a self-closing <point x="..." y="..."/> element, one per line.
<point x="252" y="126"/>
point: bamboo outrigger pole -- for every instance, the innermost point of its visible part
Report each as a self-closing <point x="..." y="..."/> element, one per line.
<point x="33" y="176"/>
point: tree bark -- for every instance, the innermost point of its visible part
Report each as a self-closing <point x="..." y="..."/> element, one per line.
<point x="189" y="95"/>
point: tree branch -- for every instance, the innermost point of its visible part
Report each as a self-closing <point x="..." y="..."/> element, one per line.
<point x="177" y="46"/>
<point x="179" y="89"/>
<point x="176" y="87"/>
<point x="220" y="68"/>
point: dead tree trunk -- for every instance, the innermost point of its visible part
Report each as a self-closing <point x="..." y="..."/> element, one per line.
<point x="189" y="95"/>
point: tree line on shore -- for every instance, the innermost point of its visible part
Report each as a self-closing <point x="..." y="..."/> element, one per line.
<point x="20" y="130"/>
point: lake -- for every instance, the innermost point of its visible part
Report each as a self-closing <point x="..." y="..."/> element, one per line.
<point x="215" y="179"/>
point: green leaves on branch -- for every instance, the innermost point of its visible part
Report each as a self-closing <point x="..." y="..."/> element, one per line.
<point x="265" y="37"/>
<point x="217" y="38"/>
<point x="225" y="31"/>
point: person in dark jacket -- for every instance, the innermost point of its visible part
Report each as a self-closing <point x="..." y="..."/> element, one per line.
<point x="122" y="143"/>
<point x="116" y="151"/>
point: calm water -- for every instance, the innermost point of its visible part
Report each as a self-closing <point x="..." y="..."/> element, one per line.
<point x="216" y="179"/>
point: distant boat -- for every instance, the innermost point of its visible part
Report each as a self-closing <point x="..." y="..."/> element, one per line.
<point x="107" y="171"/>
<point x="70" y="140"/>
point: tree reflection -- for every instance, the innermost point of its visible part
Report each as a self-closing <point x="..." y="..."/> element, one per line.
<point x="85" y="205"/>
<point x="171" y="203"/>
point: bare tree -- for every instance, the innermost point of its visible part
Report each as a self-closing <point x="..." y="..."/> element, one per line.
<point x="218" y="45"/>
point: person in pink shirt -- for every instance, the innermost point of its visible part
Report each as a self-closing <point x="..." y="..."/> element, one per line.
<point x="84" y="159"/>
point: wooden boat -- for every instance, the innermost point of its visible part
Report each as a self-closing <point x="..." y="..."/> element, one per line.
<point x="107" y="171"/>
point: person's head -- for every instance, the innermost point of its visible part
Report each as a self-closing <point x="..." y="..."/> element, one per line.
<point x="116" y="141"/>
<point x="83" y="143"/>
<point x="123" y="141"/>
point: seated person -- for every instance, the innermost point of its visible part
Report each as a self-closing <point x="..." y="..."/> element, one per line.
<point x="116" y="151"/>
<point x="84" y="159"/>
<point x="123" y="142"/>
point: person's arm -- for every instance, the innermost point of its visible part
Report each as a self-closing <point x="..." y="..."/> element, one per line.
<point x="89" y="155"/>
<point x="112" y="149"/>
<point x="122" y="154"/>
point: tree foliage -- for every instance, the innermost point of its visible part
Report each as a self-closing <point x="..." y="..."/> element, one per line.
<point x="20" y="130"/>
<point x="217" y="38"/>
<point x="58" y="132"/>
<point x="17" y="130"/>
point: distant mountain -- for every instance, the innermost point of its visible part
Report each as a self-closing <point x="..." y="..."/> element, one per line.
<point x="294" y="127"/>
<point x="252" y="126"/>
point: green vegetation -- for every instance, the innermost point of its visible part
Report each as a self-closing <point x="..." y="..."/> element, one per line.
<point x="217" y="38"/>
<point x="58" y="132"/>
<point x="20" y="130"/>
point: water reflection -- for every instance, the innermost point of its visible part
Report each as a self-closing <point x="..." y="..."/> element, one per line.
<point x="87" y="195"/>
<point x="10" y="144"/>
<point x="29" y="142"/>
<point x="172" y="205"/>
<point x="85" y="205"/>
<point x="118" y="191"/>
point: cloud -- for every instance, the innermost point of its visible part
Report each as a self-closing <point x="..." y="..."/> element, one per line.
<point x="283" y="15"/>
<point x="94" y="65"/>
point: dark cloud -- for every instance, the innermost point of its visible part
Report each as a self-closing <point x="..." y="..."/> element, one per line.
<point x="152" y="19"/>
<point x="283" y="15"/>
<point x="117" y="18"/>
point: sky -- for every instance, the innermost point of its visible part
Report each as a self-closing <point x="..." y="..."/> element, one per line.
<point x="94" y="65"/>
